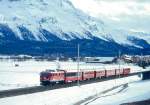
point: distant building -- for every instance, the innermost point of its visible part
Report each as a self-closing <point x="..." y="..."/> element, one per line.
<point x="98" y="59"/>
<point x="127" y="58"/>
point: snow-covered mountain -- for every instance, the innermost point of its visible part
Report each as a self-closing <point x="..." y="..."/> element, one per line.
<point x="47" y="26"/>
<point x="57" y="17"/>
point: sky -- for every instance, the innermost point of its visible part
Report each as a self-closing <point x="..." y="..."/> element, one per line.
<point x="130" y="15"/>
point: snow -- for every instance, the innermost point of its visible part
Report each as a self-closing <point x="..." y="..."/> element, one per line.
<point x="122" y="37"/>
<point x="27" y="73"/>
<point x="65" y="96"/>
<point x="134" y="92"/>
<point x="27" y="14"/>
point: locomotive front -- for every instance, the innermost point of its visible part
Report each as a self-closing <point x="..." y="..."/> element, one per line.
<point x="52" y="77"/>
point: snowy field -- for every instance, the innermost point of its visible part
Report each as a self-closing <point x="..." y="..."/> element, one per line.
<point x="137" y="91"/>
<point x="66" y="96"/>
<point x="27" y="73"/>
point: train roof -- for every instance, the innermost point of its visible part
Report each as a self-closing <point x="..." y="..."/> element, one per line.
<point x="84" y="67"/>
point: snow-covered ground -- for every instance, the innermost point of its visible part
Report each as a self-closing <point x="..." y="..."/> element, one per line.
<point x="137" y="91"/>
<point x="65" y="96"/>
<point x="27" y="73"/>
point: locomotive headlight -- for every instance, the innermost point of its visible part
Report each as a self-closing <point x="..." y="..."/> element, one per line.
<point x="45" y="78"/>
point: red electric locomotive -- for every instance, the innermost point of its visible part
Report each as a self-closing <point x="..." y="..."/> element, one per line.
<point x="51" y="77"/>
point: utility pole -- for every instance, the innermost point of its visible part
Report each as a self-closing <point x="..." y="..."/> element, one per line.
<point x="119" y="53"/>
<point x="57" y="64"/>
<point x="141" y="64"/>
<point x="119" y="62"/>
<point x="141" y="61"/>
<point x="78" y="60"/>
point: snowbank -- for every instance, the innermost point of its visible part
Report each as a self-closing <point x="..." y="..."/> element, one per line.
<point x="135" y="92"/>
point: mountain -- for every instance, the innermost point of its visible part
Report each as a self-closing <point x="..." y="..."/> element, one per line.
<point x="52" y="27"/>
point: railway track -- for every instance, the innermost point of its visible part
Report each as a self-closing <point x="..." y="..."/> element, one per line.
<point x="91" y="99"/>
<point x="35" y="89"/>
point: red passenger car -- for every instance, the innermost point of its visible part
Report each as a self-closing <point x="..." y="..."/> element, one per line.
<point x="88" y="75"/>
<point x="71" y="76"/>
<point x="100" y="74"/>
<point x="119" y="71"/>
<point x="110" y="73"/>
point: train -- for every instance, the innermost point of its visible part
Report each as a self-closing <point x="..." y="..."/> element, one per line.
<point x="50" y="77"/>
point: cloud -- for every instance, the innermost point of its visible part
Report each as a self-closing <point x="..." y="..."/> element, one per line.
<point x="113" y="7"/>
<point x="124" y="13"/>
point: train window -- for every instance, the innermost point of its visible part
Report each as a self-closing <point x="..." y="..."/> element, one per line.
<point x="71" y="74"/>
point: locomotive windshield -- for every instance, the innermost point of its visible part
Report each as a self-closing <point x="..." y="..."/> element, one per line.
<point x="44" y="74"/>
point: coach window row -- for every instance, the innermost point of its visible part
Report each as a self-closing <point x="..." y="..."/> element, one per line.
<point x="71" y="74"/>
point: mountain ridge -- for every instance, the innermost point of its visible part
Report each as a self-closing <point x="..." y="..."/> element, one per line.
<point x="58" y="22"/>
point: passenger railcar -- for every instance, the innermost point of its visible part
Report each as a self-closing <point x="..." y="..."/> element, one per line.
<point x="110" y="73"/>
<point x="88" y="75"/>
<point x="72" y="76"/>
<point x="100" y="74"/>
<point x="119" y="71"/>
